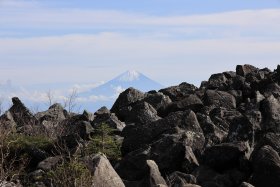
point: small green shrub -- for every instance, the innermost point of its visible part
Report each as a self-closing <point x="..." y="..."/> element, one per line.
<point x="104" y="142"/>
<point x="70" y="174"/>
<point x="21" y="141"/>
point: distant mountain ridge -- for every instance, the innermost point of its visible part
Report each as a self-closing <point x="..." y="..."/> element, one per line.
<point x="110" y="90"/>
<point x="120" y="83"/>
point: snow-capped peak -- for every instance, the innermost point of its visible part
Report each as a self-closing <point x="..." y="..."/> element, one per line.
<point x="129" y="76"/>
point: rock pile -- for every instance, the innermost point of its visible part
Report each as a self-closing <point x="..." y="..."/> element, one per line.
<point x="226" y="133"/>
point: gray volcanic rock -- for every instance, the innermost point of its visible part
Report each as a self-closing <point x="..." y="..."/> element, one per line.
<point x="219" y="99"/>
<point x="124" y="102"/>
<point x="137" y="136"/>
<point x="158" y="100"/>
<point x="176" y="93"/>
<point x="55" y="113"/>
<point x="103" y="115"/>
<point x="142" y="113"/>
<point x="153" y="177"/>
<point x="224" y="156"/>
<point x="21" y="118"/>
<point x="102" y="171"/>
<point x="243" y="70"/>
<point x="217" y="81"/>
<point x="224" y="134"/>
<point x="266" y="167"/>
<point x="192" y="102"/>
<point x="271" y="114"/>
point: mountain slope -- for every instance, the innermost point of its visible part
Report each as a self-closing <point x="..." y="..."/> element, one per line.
<point x="105" y="94"/>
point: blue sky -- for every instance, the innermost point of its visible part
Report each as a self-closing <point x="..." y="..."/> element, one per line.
<point x="50" y="41"/>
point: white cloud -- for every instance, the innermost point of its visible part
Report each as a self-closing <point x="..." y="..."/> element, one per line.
<point x="52" y="18"/>
<point x="67" y="58"/>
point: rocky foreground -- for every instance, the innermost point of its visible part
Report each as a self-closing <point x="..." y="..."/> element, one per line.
<point x="224" y="134"/>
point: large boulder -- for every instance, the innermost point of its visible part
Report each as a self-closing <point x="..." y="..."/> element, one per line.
<point x="213" y="134"/>
<point x="21" y="114"/>
<point x="102" y="171"/>
<point x="266" y="167"/>
<point x="124" y="102"/>
<point x="55" y="113"/>
<point x="176" y="93"/>
<point x="52" y="118"/>
<point x="219" y="99"/>
<point x="103" y="115"/>
<point x="20" y="118"/>
<point x="153" y="178"/>
<point x="142" y="113"/>
<point x="270" y="107"/>
<point x="171" y="153"/>
<point x="158" y="100"/>
<point x="137" y="136"/>
<point x="225" y="156"/>
<point x="217" y="81"/>
<point x="192" y="102"/>
<point x="244" y="70"/>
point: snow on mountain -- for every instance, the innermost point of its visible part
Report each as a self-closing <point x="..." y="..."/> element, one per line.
<point x="129" y="76"/>
<point x="110" y="90"/>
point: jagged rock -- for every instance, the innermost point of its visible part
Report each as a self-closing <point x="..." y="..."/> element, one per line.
<point x="271" y="89"/>
<point x="142" y="113"/>
<point x="136" y="136"/>
<point x="179" y="179"/>
<point x="49" y="163"/>
<point x="213" y="134"/>
<point x="173" y="152"/>
<point x="223" y="117"/>
<point x="270" y="108"/>
<point x="103" y="115"/>
<point x="266" y="167"/>
<point x="78" y="127"/>
<point x="133" y="166"/>
<point x="176" y="93"/>
<point x="21" y="115"/>
<point x="125" y="99"/>
<point x="191" y="102"/>
<point x="88" y="115"/>
<point x="241" y="129"/>
<point x="102" y="171"/>
<point x="243" y="70"/>
<point x="190" y="161"/>
<point x="19" y="118"/>
<point x="217" y="81"/>
<point x="219" y="99"/>
<point x="153" y="177"/>
<point x="158" y="100"/>
<point x="55" y="113"/>
<point x="224" y="156"/>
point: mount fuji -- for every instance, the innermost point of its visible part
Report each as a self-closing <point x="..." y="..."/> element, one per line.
<point x="105" y="94"/>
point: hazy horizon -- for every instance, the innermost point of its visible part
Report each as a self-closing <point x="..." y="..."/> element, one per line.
<point x="48" y="42"/>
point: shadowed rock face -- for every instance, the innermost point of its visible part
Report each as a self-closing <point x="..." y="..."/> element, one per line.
<point x="224" y="134"/>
